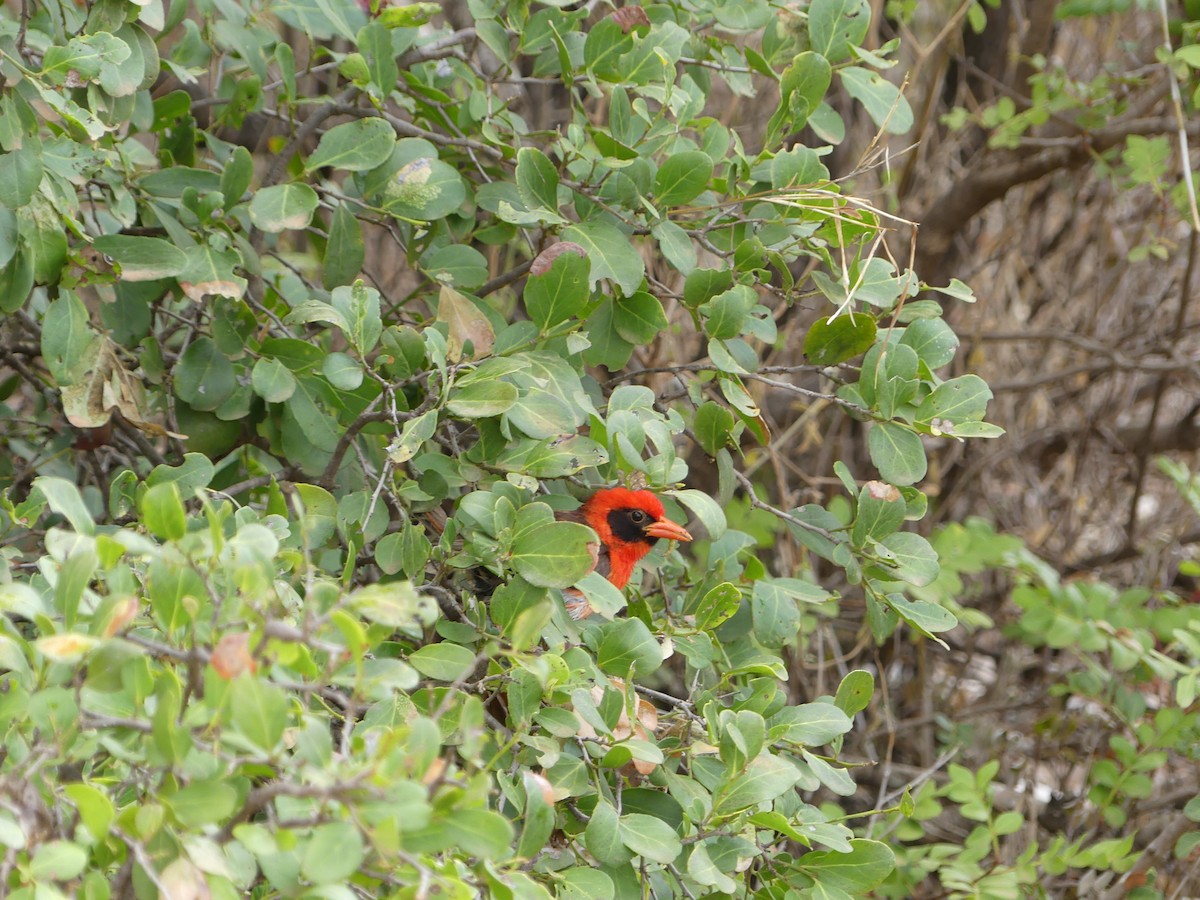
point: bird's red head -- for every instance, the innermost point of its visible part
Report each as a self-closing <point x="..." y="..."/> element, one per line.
<point x="630" y="521"/>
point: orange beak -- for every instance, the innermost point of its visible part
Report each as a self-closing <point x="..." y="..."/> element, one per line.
<point x="668" y="530"/>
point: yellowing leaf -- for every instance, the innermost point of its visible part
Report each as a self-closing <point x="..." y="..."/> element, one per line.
<point x="468" y="326"/>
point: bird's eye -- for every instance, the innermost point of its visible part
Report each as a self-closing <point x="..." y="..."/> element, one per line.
<point x="637" y="516"/>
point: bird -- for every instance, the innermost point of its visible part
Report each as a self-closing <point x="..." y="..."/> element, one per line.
<point x="629" y="523"/>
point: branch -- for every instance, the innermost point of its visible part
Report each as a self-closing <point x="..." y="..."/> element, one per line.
<point x="944" y="219"/>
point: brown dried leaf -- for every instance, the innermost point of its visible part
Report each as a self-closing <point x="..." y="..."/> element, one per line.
<point x="199" y="290"/>
<point x="647" y="715"/>
<point x="629" y="17"/>
<point x="231" y="657"/>
<point x="467" y="326"/>
<point x="107" y="385"/>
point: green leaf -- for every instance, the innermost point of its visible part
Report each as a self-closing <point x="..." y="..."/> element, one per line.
<point x="933" y="340"/>
<point x="834" y="26"/>
<point x="682" y="177"/>
<point x="343" y="371"/>
<point x="962" y="399"/>
<point x="603" y="836"/>
<point x="66" y="335"/>
<point x="210" y="271"/>
<point x="705" y="508"/>
<point x="537" y="179"/>
<point x="344" y="251"/>
<point x="58" y="861"/>
<point x="84" y="55"/>
<point x="897" y="453"/>
<point x="142" y="258"/>
<point x="775" y="614"/>
<point x="395" y="604"/>
<point x="236" y="176"/>
<point x="857" y="872"/>
<point x="481" y="399"/>
<point x="855" y="691"/>
<point x="915" y="559"/>
<point x="765" y="778"/>
<point x="283" y="207"/>
<point x="272" y="380"/>
<point x="812" y="724"/>
<point x="480" y="832"/>
<point x="650" y="837"/>
<point x="713" y="426"/>
<point x="606" y="42"/>
<point x="194" y="473"/>
<point x="717" y="605"/>
<point x="725" y="314"/>
<point x="16" y="281"/>
<point x="704" y="284"/>
<point x="608" y="348"/>
<point x="258" y="712"/>
<point x="958" y="290"/>
<point x="96" y="810"/>
<point x="359" y="307"/>
<point x="203" y="803"/>
<point x="628" y="644"/>
<point x="542" y="414"/>
<point x="539" y="818"/>
<point x="883" y="101"/>
<point x="457" y="265"/>
<point x="423" y="188"/>
<point x="581" y="883"/>
<point x="20" y="175"/>
<point x="335" y="851"/>
<point x="927" y="618"/>
<point x="639" y="318"/>
<point x="443" y="662"/>
<point x="163" y="513"/>
<point x="880" y="511"/>
<point x="676" y="245"/>
<point x="552" y="458"/>
<point x="829" y="343"/>
<point x="611" y="253"/>
<point x="559" y="293"/>
<point x="354" y="146"/>
<point x="555" y="554"/>
<point x="802" y="86"/>
<point x="204" y="376"/>
<point x="375" y="43"/>
<point x="742" y="16"/>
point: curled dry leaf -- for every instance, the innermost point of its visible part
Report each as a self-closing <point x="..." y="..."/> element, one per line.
<point x="630" y="17"/>
<point x="123" y="613"/>
<point x="535" y="781"/>
<point x="183" y="880"/>
<point x="636" y="481"/>
<point x="434" y="773"/>
<point x="68" y="647"/>
<point x="198" y="290"/>
<point x="544" y="260"/>
<point x="879" y="490"/>
<point x="106" y="385"/>
<point x="231" y="657"/>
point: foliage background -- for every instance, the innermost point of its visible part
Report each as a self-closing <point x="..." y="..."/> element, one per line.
<point x="290" y="387"/>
